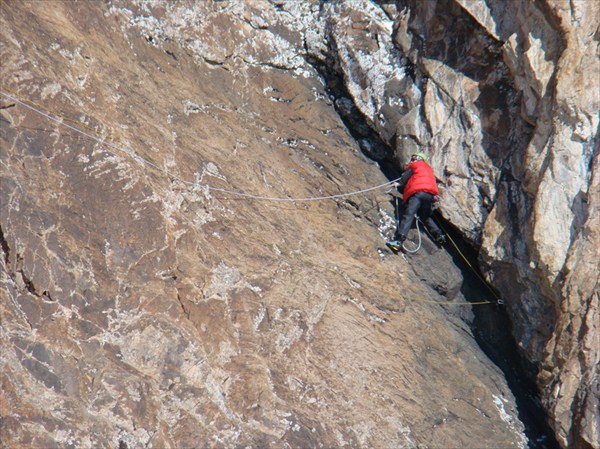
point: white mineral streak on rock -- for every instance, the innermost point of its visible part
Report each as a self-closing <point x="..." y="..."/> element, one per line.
<point x="368" y="62"/>
<point x="223" y="280"/>
<point x="145" y="310"/>
<point x="508" y="418"/>
<point x="387" y="224"/>
<point x="51" y="90"/>
<point x="260" y="316"/>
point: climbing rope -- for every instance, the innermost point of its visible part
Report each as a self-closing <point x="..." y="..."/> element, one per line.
<point x="363" y="283"/>
<point x="61" y="122"/>
<point x="132" y="154"/>
<point x="414" y="250"/>
<point x="499" y="300"/>
<point x="418" y="247"/>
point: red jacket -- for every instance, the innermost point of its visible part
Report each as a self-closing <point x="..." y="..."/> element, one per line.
<point x="422" y="180"/>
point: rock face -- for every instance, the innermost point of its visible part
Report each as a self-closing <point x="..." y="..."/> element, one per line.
<point x="174" y="275"/>
<point x="506" y="101"/>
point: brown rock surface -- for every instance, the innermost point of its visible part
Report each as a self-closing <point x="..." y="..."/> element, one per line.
<point x="506" y="101"/>
<point x="148" y="301"/>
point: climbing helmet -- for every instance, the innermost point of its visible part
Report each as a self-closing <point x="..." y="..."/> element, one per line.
<point x="419" y="156"/>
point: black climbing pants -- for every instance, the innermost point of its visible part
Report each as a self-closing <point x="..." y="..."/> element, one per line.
<point x="420" y="204"/>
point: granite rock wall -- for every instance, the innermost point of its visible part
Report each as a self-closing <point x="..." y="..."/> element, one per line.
<point x="160" y="287"/>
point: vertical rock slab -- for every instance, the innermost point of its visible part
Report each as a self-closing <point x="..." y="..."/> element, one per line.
<point x="506" y="102"/>
<point x="541" y="59"/>
<point x="553" y="56"/>
<point x="162" y="283"/>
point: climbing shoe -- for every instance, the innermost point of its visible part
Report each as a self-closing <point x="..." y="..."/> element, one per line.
<point x="441" y="240"/>
<point x="394" y="245"/>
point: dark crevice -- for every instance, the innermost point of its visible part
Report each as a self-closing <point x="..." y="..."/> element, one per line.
<point x="5" y="248"/>
<point x="370" y="143"/>
<point x="492" y="329"/>
<point x="186" y="312"/>
<point x="491" y="325"/>
<point x="27" y="281"/>
<point x="29" y="284"/>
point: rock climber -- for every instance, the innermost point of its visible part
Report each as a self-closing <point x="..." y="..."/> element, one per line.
<point x="419" y="192"/>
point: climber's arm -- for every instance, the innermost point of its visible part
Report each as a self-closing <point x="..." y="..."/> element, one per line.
<point x="403" y="179"/>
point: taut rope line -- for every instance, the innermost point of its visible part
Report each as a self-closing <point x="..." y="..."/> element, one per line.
<point x="132" y="154"/>
<point x="195" y="184"/>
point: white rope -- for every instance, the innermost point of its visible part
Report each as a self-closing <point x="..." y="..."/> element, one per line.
<point x="413" y="251"/>
<point x="216" y="189"/>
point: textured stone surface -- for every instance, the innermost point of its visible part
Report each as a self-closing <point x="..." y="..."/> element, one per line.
<point x="142" y="308"/>
<point x="552" y="50"/>
<point x="506" y="102"/>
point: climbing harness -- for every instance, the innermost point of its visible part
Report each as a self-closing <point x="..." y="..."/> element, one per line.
<point x="142" y="160"/>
